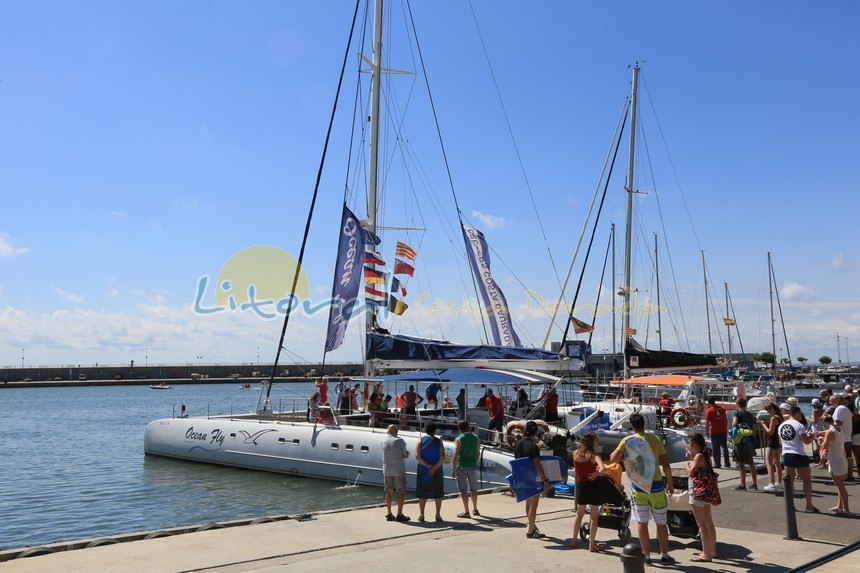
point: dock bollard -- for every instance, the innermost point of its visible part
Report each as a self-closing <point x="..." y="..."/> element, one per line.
<point x="790" y="512"/>
<point x="632" y="559"/>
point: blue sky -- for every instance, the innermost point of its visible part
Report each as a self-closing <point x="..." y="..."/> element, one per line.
<point x="143" y="144"/>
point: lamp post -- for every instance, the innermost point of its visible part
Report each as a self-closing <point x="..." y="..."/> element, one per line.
<point x="258" y="356"/>
<point x="146" y="357"/>
<point x="22" y="363"/>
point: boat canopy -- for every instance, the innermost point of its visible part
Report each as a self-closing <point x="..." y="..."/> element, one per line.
<point x="641" y="358"/>
<point x="663" y="380"/>
<point x="465" y="376"/>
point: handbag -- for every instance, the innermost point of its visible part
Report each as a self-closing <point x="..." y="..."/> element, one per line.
<point x="705" y="487"/>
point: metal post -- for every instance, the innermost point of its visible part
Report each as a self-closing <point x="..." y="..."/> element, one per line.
<point x="632" y="559"/>
<point x="790" y="512"/>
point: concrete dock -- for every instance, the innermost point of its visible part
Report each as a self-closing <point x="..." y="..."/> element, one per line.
<point x="750" y="531"/>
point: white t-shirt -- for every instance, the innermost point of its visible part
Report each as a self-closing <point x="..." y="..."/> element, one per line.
<point x="790" y="433"/>
<point x="843" y="414"/>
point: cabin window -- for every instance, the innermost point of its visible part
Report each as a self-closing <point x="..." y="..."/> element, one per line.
<point x="364" y="449"/>
<point x="232" y="435"/>
<point x="295" y="441"/>
<point x="334" y="446"/>
<point x="348" y="447"/>
<point x="282" y="440"/>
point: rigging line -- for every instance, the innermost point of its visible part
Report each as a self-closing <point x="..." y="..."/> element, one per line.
<point x="593" y="232"/>
<point x="737" y="330"/>
<point x="618" y="127"/>
<point x="781" y="320"/>
<point x="713" y="296"/>
<point x="666" y="244"/>
<point x="442" y="146"/>
<point x="313" y="203"/>
<point x="671" y="163"/>
<point x="355" y="106"/>
<point x="517" y="151"/>
<point x="600" y="289"/>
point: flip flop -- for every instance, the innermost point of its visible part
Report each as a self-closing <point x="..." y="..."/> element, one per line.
<point x="598" y="547"/>
<point x="700" y="559"/>
<point x="476" y="512"/>
<point x="813" y="510"/>
<point x="463" y="515"/>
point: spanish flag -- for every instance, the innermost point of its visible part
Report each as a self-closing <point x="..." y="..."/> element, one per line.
<point x="403" y="268"/>
<point x="372" y="276"/>
<point x="729" y="321"/>
<point x="631" y="331"/>
<point x="398" y="307"/>
<point x="405" y="251"/>
<point x="580" y="327"/>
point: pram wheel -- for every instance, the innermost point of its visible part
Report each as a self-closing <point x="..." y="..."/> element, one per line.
<point x="584" y="532"/>
<point x="624" y="535"/>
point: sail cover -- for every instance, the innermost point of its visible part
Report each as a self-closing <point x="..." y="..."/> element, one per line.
<point x="495" y="304"/>
<point x="347" y="278"/>
<point x="640" y="358"/>
<point x="400" y="347"/>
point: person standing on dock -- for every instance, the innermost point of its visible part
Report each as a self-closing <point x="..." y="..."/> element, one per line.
<point x="745" y="449"/>
<point x="843" y="417"/>
<point x="394" y="454"/>
<point x="465" y="467"/>
<point x="717" y="427"/>
<point x="430" y="455"/>
<point x="794" y="437"/>
<point x="527" y="447"/>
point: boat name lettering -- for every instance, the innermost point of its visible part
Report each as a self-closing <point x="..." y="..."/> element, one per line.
<point x="217" y="436"/>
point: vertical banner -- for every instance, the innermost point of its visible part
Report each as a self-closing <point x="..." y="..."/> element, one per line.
<point x="347" y="278"/>
<point x="494" y="301"/>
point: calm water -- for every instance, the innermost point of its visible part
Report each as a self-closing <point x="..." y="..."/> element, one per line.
<point x="73" y="466"/>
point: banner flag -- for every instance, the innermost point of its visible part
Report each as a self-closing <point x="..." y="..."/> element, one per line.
<point x="371" y="258"/>
<point x="373" y="276"/>
<point x="370" y="238"/>
<point x="729" y="321"/>
<point x="405" y="251"/>
<point x="494" y="300"/>
<point x="347" y="278"/>
<point x="631" y="331"/>
<point x="580" y="327"/>
<point x="373" y="296"/>
<point x="398" y="307"/>
<point x="403" y="268"/>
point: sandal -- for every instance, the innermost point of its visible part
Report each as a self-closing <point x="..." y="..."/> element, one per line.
<point x="476" y="512"/>
<point x="421" y="518"/>
<point x="813" y="510"/>
<point x="598" y="547"/>
<point x="701" y="558"/>
<point x="463" y="515"/>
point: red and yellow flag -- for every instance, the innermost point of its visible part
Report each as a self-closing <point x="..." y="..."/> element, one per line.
<point x="405" y="251"/>
<point x="729" y="321"/>
<point x="631" y="331"/>
<point x="580" y="327"/>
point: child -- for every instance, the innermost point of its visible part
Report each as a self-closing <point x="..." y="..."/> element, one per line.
<point x="698" y="466"/>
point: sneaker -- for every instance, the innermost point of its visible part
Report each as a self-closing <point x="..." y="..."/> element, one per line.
<point x="390" y="517"/>
<point x="739" y="487"/>
<point x="771" y="487"/>
<point x="778" y="487"/>
<point x="647" y="560"/>
<point x="535" y="535"/>
<point x="667" y="559"/>
<point x="402" y="518"/>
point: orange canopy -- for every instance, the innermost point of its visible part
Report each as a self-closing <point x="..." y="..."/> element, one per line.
<point x="662" y="380"/>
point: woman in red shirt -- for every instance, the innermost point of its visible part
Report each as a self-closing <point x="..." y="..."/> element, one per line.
<point x="587" y="467"/>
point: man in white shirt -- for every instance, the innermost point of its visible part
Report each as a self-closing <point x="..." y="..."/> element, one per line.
<point x="842" y="416"/>
<point x="394" y="454"/>
<point x="794" y="438"/>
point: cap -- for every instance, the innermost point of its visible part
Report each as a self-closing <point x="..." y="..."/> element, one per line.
<point x="784" y="406"/>
<point x="816" y="403"/>
<point x="531" y="428"/>
<point x="849" y="388"/>
<point x="792" y="400"/>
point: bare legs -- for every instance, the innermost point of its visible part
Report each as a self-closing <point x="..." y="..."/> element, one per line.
<point x="753" y="475"/>
<point x="805" y="475"/>
<point x="465" y="497"/>
<point x="531" y="513"/>
<point x="774" y="470"/>
<point x="594" y="510"/>
<point x="842" y="504"/>
<point x="707" y="532"/>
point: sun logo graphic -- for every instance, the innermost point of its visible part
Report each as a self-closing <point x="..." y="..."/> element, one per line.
<point x="257" y="279"/>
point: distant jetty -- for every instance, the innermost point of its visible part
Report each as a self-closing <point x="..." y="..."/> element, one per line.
<point x="134" y="375"/>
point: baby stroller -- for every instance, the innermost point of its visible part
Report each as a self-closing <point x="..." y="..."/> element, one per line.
<point x="613" y="514"/>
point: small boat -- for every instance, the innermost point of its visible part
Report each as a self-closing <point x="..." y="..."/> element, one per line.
<point x="161" y="387"/>
<point x="245" y="386"/>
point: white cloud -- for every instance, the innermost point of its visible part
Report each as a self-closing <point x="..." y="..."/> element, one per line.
<point x="68" y="296"/>
<point x="838" y="261"/>
<point x="7" y="250"/>
<point x="815" y="312"/>
<point x="119" y="214"/>
<point x="489" y="221"/>
<point x="793" y="290"/>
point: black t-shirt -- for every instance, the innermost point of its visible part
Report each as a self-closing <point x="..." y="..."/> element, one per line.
<point x="526" y="448"/>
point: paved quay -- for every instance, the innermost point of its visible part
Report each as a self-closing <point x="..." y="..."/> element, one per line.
<point x="361" y="540"/>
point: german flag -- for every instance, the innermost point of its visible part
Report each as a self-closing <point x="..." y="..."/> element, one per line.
<point x="580" y="327"/>
<point x="398" y="307"/>
<point x="729" y="321"/>
<point x="373" y="276"/>
<point x="405" y="251"/>
<point x="403" y="268"/>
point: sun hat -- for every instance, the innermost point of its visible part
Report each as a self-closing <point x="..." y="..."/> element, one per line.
<point x="792" y="400"/>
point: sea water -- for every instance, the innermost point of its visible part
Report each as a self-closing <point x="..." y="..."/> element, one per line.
<point x="72" y="465"/>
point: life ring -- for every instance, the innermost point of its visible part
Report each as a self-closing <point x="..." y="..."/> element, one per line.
<point x="679" y="418"/>
<point x="515" y="429"/>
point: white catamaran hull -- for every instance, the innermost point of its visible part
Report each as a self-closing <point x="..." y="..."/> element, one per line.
<point x="351" y="454"/>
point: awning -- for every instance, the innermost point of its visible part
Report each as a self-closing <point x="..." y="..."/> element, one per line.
<point x="469" y="376"/>
<point x="663" y="380"/>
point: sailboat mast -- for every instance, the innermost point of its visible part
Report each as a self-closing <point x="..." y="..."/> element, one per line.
<point x="659" y="318"/>
<point x="772" y="320"/>
<point x="728" y="326"/>
<point x="373" y="159"/>
<point x="614" y="343"/>
<point x="628" y="239"/>
<point x="707" y="309"/>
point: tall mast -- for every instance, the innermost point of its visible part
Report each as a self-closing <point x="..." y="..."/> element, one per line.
<point x="628" y="239"/>
<point x="707" y="310"/>
<point x="659" y="318"/>
<point x="772" y="320"/>
<point x="614" y="343"/>
<point x="728" y="326"/>
<point x="373" y="167"/>
<point x="838" y="350"/>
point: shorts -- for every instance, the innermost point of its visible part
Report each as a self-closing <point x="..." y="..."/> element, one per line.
<point x="745" y="454"/>
<point x="467" y="480"/>
<point x="395" y="483"/>
<point x="795" y="460"/>
<point x="496" y="424"/>
<point x="652" y="505"/>
<point x="695" y="502"/>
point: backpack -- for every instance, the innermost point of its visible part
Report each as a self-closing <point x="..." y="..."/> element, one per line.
<point x="741" y="434"/>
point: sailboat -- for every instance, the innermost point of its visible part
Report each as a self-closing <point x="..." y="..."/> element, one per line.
<point x="347" y="447"/>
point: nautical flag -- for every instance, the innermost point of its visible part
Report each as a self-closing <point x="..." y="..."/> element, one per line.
<point x="631" y="331"/>
<point x="580" y="327"/>
<point x="373" y="296"/>
<point x="373" y="276"/>
<point x="405" y="251"/>
<point x="398" y="307"/>
<point x="370" y="238"/>
<point x="347" y="279"/>
<point x="403" y="268"/>
<point x="396" y="285"/>
<point x="729" y="321"/>
<point x="373" y="258"/>
<point x="494" y="300"/>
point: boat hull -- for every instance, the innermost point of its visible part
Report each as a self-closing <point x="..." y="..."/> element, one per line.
<point x="347" y="454"/>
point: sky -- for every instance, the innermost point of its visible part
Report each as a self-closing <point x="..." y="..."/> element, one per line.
<point x="143" y="144"/>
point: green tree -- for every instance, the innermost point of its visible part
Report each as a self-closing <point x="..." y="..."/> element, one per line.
<point x="766" y="357"/>
<point x="825" y="359"/>
<point x="802" y="359"/>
